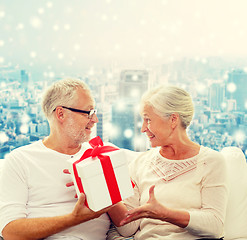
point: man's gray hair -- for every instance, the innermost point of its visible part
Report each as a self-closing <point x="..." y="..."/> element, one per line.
<point x="61" y="93"/>
<point x="166" y="100"/>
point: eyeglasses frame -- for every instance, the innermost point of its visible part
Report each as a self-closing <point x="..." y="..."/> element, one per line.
<point x="90" y="113"/>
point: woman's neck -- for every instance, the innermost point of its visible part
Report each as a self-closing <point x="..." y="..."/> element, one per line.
<point x="180" y="151"/>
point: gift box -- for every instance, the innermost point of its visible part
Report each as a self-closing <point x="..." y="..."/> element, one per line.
<point x="102" y="174"/>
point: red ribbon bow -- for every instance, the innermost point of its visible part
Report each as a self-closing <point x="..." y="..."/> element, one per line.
<point x="96" y="151"/>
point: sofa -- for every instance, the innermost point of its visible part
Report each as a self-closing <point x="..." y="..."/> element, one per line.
<point x="236" y="213"/>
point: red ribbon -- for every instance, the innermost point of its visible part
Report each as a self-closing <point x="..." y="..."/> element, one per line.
<point x="110" y="178"/>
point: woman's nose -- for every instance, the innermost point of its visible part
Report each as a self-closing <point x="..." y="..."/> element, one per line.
<point x="144" y="127"/>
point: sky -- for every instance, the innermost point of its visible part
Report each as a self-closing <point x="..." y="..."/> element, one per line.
<point x="63" y="35"/>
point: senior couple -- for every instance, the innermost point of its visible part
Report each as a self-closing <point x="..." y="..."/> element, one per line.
<point x="180" y="187"/>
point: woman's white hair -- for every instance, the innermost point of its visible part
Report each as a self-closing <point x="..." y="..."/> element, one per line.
<point x="167" y="99"/>
<point x="61" y="93"/>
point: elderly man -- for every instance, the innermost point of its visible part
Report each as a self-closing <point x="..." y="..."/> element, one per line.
<point x="34" y="200"/>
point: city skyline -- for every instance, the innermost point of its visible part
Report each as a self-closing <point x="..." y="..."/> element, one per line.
<point x="218" y="94"/>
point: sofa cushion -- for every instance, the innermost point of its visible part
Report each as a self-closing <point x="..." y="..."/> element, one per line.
<point x="236" y="214"/>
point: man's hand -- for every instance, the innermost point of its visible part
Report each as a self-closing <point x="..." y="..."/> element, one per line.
<point x="69" y="184"/>
<point x="82" y="213"/>
<point x="66" y="171"/>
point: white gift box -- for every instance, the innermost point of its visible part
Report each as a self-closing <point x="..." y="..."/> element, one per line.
<point x="99" y="193"/>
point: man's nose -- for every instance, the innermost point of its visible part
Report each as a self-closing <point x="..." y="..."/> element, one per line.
<point x="95" y="118"/>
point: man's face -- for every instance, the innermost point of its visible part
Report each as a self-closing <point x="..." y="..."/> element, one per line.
<point x="78" y="126"/>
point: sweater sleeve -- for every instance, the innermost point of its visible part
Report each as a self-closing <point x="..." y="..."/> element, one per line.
<point x="13" y="192"/>
<point x="131" y="202"/>
<point x="130" y="228"/>
<point x="209" y="220"/>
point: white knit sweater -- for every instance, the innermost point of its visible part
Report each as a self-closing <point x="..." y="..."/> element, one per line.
<point x="197" y="184"/>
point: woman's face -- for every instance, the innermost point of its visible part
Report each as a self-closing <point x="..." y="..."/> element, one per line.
<point x="158" y="129"/>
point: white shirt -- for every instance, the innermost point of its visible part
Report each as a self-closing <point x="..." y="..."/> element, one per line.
<point x="32" y="185"/>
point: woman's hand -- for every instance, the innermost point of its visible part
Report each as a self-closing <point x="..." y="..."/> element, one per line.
<point x="152" y="209"/>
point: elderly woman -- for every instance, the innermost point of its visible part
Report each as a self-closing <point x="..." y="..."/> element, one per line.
<point x="180" y="186"/>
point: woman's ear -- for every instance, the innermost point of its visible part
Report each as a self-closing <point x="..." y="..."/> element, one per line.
<point x="174" y="118"/>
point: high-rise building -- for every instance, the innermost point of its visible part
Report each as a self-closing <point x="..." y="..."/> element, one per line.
<point x="122" y="125"/>
<point x="24" y="79"/>
<point x="237" y="87"/>
<point x="133" y="83"/>
<point x="231" y="105"/>
<point x="126" y="121"/>
<point x="104" y="117"/>
<point x="216" y="96"/>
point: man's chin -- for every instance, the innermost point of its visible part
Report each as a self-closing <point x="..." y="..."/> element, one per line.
<point x="85" y="138"/>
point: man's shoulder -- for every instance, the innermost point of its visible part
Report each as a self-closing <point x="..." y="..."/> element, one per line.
<point x="27" y="148"/>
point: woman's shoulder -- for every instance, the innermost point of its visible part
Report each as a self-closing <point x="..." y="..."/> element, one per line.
<point x="209" y="156"/>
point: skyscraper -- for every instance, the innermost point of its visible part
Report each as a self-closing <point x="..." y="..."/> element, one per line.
<point x="133" y="83"/>
<point x="216" y="96"/>
<point x="237" y="88"/>
<point x="125" y="114"/>
<point x="24" y="79"/>
<point x="104" y="116"/>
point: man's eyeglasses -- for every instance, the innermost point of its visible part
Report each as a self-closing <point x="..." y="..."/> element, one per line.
<point x="89" y="113"/>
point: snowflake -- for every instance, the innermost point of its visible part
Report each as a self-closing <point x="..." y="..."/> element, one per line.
<point x="2" y="14"/>
<point x="40" y="10"/>
<point x="33" y="54"/>
<point x="231" y="87"/>
<point x="35" y="22"/>
<point x="49" y="4"/>
<point x="77" y="47"/>
<point x="55" y="27"/>
<point x="67" y="26"/>
<point x="20" y="26"/>
<point x="60" y="55"/>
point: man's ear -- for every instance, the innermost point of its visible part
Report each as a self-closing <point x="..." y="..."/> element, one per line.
<point x="59" y="112"/>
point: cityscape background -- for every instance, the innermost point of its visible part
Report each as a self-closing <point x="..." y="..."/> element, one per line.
<point x="121" y="49"/>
